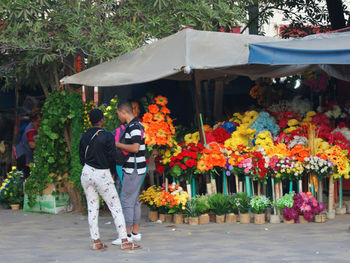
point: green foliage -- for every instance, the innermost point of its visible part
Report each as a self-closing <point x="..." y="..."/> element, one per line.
<point x="191" y="208"/>
<point x="62" y="114"/>
<point x="285" y="201"/>
<point x="110" y="113"/>
<point x="202" y="204"/>
<point x="259" y="203"/>
<point x="11" y="190"/>
<point x="242" y="202"/>
<point x="232" y="208"/>
<point x="219" y="203"/>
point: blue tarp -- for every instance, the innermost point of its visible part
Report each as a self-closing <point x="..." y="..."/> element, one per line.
<point x="320" y="49"/>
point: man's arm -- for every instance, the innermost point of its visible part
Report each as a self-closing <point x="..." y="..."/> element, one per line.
<point x="132" y="148"/>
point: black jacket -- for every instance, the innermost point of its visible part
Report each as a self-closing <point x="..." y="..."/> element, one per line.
<point x="101" y="153"/>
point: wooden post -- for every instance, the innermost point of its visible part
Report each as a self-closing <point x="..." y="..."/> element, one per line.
<point x="320" y="190"/>
<point x="259" y="188"/>
<point x="198" y="101"/>
<point x="15" y="127"/>
<point x="96" y="96"/>
<point x="273" y="194"/>
<point x="218" y="99"/>
<point x="237" y="184"/>
<point x="300" y="186"/>
<point x="331" y="194"/>
<point x="188" y="186"/>
<point x="166" y="184"/>
<point x="83" y="94"/>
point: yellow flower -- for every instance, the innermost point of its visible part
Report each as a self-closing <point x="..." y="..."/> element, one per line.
<point x="293" y="122"/>
<point x="14" y="168"/>
<point x="310" y="114"/>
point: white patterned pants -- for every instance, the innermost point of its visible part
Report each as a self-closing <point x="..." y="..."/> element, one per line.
<point x="99" y="182"/>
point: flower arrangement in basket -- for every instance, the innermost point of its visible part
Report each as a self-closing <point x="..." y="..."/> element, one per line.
<point x="151" y="197"/>
<point x="178" y="206"/>
<point x="11" y="190"/>
<point x="318" y="166"/>
<point x="242" y="202"/>
<point x="285" y="201"/>
<point x="304" y="205"/>
<point x="259" y="203"/>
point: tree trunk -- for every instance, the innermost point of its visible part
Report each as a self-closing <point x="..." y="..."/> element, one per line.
<point x="336" y="14"/>
<point x="253" y="13"/>
<point x="43" y="86"/>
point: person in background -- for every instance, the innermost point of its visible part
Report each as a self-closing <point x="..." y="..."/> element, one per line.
<point x="97" y="155"/>
<point x="133" y="170"/>
<point x="136" y="109"/>
<point x="25" y="148"/>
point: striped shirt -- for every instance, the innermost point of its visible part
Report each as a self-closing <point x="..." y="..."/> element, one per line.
<point x="133" y="135"/>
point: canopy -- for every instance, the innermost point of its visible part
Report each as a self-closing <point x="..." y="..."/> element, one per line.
<point x="330" y="52"/>
<point x="168" y="57"/>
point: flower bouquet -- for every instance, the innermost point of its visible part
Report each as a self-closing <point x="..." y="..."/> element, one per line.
<point x="305" y="207"/>
<point x="259" y="205"/>
<point x="11" y="190"/>
<point x="243" y="205"/>
<point x="151" y="198"/>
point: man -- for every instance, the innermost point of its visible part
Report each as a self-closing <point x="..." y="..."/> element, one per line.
<point x="97" y="155"/>
<point x="24" y="149"/>
<point x="133" y="170"/>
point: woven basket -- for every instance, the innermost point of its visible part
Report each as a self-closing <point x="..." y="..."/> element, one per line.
<point x="259" y="219"/>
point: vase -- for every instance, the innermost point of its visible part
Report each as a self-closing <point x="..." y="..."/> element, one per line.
<point x="178" y="219"/>
<point x="162" y="217"/>
<point x="231" y="218"/>
<point x="259" y="219"/>
<point x="193" y="221"/>
<point x="244" y="218"/>
<point x="212" y="217"/>
<point x="15" y="207"/>
<point x="153" y="215"/>
<point x="288" y="221"/>
<point x="220" y="219"/>
<point x="302" y="220"/>
<point x="168" y="218"/>
<point x="275" y="219"/>
<point x="322" y="218"/>
<point x="204" y="219"/>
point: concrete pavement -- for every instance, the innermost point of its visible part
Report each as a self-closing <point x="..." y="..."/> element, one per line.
<point x="27" y="237"/>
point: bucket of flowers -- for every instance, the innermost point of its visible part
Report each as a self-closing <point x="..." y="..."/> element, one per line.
<point x="11" y="190"/>
<point x="179" y="205"/>
<point x="259" y="204"/>
<point x="151" y="198"/>
<point x="286" y="201"/>
<point x="243" y="205"/>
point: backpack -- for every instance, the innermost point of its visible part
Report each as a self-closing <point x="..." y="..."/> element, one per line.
<point x="119" y="136"/>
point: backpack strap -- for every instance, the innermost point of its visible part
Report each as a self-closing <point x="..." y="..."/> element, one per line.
<point x="93" y="136"/>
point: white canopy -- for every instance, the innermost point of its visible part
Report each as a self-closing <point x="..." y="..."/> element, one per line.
<point x="210" y="54"/>
<point x="167" y="58"/>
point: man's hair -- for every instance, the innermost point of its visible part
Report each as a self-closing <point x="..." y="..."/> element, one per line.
<point x="125" y="105"/>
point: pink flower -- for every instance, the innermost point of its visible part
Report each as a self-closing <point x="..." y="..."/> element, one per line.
<point x="246" y="170"/>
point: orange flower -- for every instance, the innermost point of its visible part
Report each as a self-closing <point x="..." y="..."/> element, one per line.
<point x="147" y="117"/>
<point x="160" y="100"/>
<point x="158" y="117"/>
<point x="165" y="110"/>
<point x="153" y="108"/>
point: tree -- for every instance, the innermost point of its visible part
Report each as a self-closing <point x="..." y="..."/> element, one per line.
<point x="41" y="41"/>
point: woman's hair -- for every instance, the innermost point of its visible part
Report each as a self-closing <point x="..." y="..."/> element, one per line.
<point x="35" y="114"/>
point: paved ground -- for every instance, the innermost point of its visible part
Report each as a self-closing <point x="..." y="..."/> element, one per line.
<point x="26" y="237"/>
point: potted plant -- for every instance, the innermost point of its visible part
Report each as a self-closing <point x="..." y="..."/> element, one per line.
<point x="203" y="208"/>
<point x="259" y="205"/>
<point x="286" y="201"/>
<point x="151" y="198"/>
<point x="232" y="209"/>
<point x="11" y="190"/>
<point x="306" y="206"/>
<point x="191" y="212"/>
<point x="179" y="204"/>
<point x="219" y="204"/>
<point x="243" y="206"/>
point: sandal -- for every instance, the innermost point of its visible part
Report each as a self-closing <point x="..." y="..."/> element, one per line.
<point x="129" y="246"/>
<point x="99" y="246"/>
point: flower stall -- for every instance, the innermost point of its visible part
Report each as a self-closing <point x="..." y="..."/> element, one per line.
<point x="270" y="153"/>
